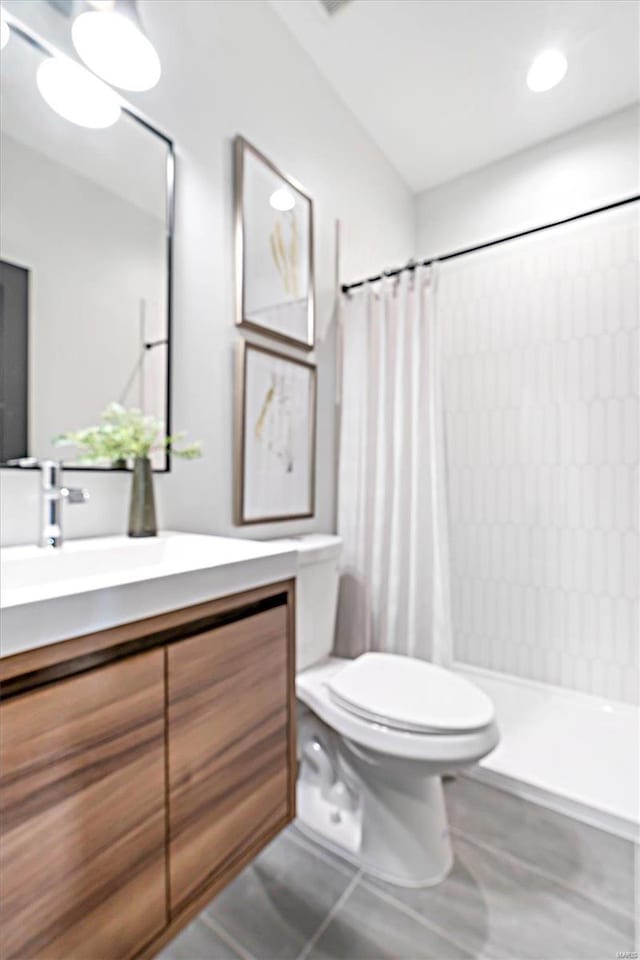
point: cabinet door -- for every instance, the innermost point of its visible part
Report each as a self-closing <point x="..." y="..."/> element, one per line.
<point x="228" y="734"/>
<point x="82" y="815"/>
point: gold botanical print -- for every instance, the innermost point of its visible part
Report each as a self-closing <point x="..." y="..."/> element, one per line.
<point x="286" y="256"/>
<point x="266" y="403"/>
<point x="273" y="429"/>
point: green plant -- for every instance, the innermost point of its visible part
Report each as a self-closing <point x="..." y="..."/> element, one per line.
<point x="123" y="435"/>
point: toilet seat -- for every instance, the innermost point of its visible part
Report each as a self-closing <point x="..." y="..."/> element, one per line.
<point x="411" y="695"/>
<point x="452" y="749"/>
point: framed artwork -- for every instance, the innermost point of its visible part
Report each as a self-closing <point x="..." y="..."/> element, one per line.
<point x="274" y="250"/>
<point x="276" y="436"/>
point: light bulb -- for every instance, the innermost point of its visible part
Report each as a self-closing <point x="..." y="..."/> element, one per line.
<point x="5" y="32"/>
<point x="115" y="48"/>
<point x="546" y="71"/>
<point x="282" y="199"/>
<point x="76" y="94"/>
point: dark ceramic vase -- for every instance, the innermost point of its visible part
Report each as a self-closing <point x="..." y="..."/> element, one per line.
<point x="142" y="512"/>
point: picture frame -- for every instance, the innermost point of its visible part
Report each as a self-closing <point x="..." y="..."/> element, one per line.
<point x="276" y="397"/>
<point x="274" y="256"/>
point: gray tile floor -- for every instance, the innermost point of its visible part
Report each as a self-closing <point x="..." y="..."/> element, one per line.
<point x="527" y="884"/>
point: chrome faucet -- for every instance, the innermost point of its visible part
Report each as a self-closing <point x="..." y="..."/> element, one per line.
<point x="52" y="495"/>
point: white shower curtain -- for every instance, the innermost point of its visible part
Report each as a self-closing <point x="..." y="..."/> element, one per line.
<point x="392" y="512"/>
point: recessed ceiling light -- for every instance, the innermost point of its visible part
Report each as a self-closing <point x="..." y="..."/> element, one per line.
<point x="112" y="43"/>
<point x="76" y="94"/>
<point x="282" y="199"/>
<point x="546" y="71"/>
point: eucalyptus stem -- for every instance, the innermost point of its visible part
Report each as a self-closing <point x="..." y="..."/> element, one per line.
<point x="122" y="435"/>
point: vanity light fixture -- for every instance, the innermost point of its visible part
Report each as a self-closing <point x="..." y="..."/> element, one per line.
<point x="546" y="71"/>
<point x="76" y="94"/>
<point x="282" y="199"/>
<point x="5" y="32"/>
<point x="111" y="41"/>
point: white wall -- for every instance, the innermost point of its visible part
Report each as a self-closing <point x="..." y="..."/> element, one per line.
<point x="231" y="68"/>
<point x="587" y="167"/>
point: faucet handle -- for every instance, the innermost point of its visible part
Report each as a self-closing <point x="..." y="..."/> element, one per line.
<point x="75" y="494"/>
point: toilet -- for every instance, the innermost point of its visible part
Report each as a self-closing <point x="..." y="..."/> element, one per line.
<point x="375" y="735"/>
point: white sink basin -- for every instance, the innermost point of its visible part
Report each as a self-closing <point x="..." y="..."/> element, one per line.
<point x="88" y="585"/>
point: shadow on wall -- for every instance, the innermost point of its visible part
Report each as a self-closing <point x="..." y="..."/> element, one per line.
<point x="353" y="613"/>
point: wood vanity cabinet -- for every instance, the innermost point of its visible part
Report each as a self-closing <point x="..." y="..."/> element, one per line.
<point x="82" y="814"/>
<point x="228" y="746"/>
<point x="140" y="769"/>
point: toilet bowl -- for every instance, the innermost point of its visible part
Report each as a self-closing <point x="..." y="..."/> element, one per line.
<point x="375" y="735"/>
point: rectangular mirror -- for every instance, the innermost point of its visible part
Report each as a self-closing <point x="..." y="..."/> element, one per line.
<point x="85" y="265"/>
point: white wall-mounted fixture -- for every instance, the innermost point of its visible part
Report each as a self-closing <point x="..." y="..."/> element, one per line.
<point x="76" y="94"/>
<point x="282" y="199"/>
<point x="546" y="71"/>
<point x="111" y="41"/>
<point x="5" y="32"/>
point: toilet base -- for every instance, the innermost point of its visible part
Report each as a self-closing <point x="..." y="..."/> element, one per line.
<point x="385" y="815"/>
<point x="340" y="830"/>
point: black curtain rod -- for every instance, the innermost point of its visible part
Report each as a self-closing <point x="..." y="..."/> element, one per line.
<point x="490" y="243"/>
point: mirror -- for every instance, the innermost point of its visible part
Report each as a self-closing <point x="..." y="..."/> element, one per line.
<point x="85" y="260"/>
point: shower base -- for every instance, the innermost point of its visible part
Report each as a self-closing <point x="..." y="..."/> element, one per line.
<point x="572" y="752"/>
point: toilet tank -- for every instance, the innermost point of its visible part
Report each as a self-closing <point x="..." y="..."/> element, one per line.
<point x="316" y="595"/>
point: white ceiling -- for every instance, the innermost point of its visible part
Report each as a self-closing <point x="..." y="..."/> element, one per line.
<point x="440" y="86"/>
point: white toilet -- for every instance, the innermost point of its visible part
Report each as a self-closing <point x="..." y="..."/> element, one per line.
<point x="374" y="736"/>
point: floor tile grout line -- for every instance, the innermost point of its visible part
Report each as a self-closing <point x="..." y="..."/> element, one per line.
<point x="544" y="874"/>
<point x="310" y="944"/>
<point x="327" y="857"/>
<point x="218" y="929"/>
<point x="324" y="854"/>
<point x="315" y="849"/>
<point x="454" y="940"/>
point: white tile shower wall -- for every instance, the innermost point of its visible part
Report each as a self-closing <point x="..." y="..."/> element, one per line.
<point x="540" y="340"/>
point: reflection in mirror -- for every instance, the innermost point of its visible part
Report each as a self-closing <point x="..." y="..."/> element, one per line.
<point x="84" y="271"/>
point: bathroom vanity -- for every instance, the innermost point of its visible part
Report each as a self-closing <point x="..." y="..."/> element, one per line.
<point x="144" y="762"/>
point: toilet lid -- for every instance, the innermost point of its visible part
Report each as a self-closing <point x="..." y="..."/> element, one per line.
<point x="409" y="694"/>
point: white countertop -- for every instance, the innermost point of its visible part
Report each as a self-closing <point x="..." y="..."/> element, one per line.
<point x="88" y="585"/>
